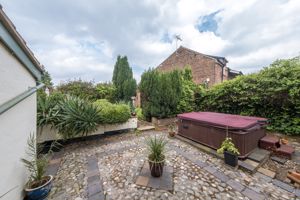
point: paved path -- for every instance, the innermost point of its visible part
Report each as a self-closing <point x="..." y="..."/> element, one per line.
<point x="108" y="169"/>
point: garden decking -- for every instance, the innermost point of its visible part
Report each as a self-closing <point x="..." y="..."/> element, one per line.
<point x="109" y="168"/>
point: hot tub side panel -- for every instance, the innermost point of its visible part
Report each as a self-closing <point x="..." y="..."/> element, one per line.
<point x="245" y="141"/>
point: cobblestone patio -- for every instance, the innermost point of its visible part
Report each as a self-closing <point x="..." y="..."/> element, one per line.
<point x="108" y="169"/>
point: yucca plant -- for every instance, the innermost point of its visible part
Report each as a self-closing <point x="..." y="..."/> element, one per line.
<point x="156" y="158"/>
<point x="77" y="117"/>
<point x="47" y="112"/>
<point x="156" y="147"/>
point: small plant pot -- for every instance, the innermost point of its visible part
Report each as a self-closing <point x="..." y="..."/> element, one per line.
<point x="230" y="159"/>
<point x="40" y="192"/>
<point x="156" y="168"/>
<point x="171" y="133"/>
<point x="133" y="114"/>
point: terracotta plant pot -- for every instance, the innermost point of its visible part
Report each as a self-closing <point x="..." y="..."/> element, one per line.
<point x="156" y="168"/>
<point x="230" y="158"/>
<point x="40" y="192"/>
<point x="171" y="133"/>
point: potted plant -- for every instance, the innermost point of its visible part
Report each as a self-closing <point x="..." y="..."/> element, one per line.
<point x="230" y="152"/>
<point x="132" y="109"/>
<point x="38" y="185"/>
<point x="171" y="130"/>
<point x="156" y="156"/>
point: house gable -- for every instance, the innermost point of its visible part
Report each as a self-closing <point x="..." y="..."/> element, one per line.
<point x="203" y="66"/>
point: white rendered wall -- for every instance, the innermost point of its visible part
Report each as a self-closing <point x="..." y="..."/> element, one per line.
<point x="16" y="124"/>
<point x="14" y="78"/>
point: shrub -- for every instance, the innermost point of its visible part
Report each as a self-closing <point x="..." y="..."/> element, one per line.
<point x="47" y="112"/>
<point x="112" y="113"/>
<point x="106" y="91"/>
<point x="79" y="88"/>
<point x="139" y="114"/>
<point x="273" y="93"/>
<point x="76" y="117"/>
<point x="167" y="94"/>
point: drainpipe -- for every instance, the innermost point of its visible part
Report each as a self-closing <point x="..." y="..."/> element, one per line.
<point x="222" y="73"/>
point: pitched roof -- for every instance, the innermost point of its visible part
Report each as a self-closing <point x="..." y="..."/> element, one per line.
<point x="15" y="38"/>
<point x="219" y="59"/>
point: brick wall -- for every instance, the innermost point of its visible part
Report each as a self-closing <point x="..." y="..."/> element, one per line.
<point x="202" y="66"/>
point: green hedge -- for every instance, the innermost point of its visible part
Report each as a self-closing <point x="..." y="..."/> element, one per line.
<point x="167" y="94"/>
<point x="273" y="93"/>
<point x="112" y="113"/>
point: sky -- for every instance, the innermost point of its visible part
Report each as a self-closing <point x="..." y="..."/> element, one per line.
<point x="82" y="39"/>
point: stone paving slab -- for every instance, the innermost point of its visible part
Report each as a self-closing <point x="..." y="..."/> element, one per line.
<point x="259" y="155"/>
<point x="54" y="163"/>
<point x="94" y="183"/>
<point x="165" y="182"/>
<point x="245" y="166"/>
<point x="279" y="160"/>
<point x="266" y="172"/>
<point x="235" y="185"/>
<point x="221" y="176"/>
<point x="283" y="185"/>
<point x="251" y="194"/>
<point x="145" y="128"/>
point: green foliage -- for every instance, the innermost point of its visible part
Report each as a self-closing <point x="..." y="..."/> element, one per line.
<point x="35" y="165"/>
<point x="112" y="113"/>
<point x="79" y="88"/>
<point x="227" y="145"/>
<point x="139" y="114"/>
<point x="36" y="162"/>
<point x="167" y="94"/>
<point x="123" y="79"/>
<point x="47" y="80"/>
<point x="156" y="147"/>
<point x="76" y="117"/>
<point x="106" y="91"/>
<point x="47" y="112"/>
<point x="273" y="93"/>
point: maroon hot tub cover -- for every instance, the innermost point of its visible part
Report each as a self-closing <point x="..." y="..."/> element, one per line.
<point x="210" y="129"/>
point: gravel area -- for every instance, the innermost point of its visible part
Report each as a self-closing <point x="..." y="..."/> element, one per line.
<point x="197" y="175"/>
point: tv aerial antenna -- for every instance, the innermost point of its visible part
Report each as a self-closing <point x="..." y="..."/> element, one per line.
<point x="177" y="38"/>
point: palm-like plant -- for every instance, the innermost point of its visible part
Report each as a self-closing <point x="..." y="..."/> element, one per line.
<point x="156" y="147"/>
<point x="36" y="163"/>
<point x="46" y="112"/>
<point x="77" y="116"/>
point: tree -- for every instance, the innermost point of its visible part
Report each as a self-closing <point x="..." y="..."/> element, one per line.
<point x="47" y="80"/>
<point x="123" y="79"/>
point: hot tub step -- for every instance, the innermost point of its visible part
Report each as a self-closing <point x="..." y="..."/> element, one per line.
<point x="259" y="155"/>
<point x="246" y="166"/>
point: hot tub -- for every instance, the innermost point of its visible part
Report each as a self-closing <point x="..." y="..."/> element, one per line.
<point x="211" y="128"/>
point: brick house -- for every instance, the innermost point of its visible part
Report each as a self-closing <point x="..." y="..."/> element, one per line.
<point x="204" y="67"/>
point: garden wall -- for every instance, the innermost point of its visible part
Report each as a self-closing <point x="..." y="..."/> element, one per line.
<point x="163" y="122"/>
<point x="52" y="134"/>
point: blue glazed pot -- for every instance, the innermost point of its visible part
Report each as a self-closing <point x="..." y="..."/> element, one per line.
<point x="40" y="192"/>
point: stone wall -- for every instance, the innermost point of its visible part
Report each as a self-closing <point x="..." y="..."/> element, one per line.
<point x="49" y="134"/>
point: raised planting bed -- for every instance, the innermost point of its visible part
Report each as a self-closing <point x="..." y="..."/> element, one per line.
<point x="49" y="134"/>
<point x="211" y="129"/>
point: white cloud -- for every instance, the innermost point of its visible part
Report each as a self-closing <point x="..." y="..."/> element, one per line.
<point x="75" y="39"/>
